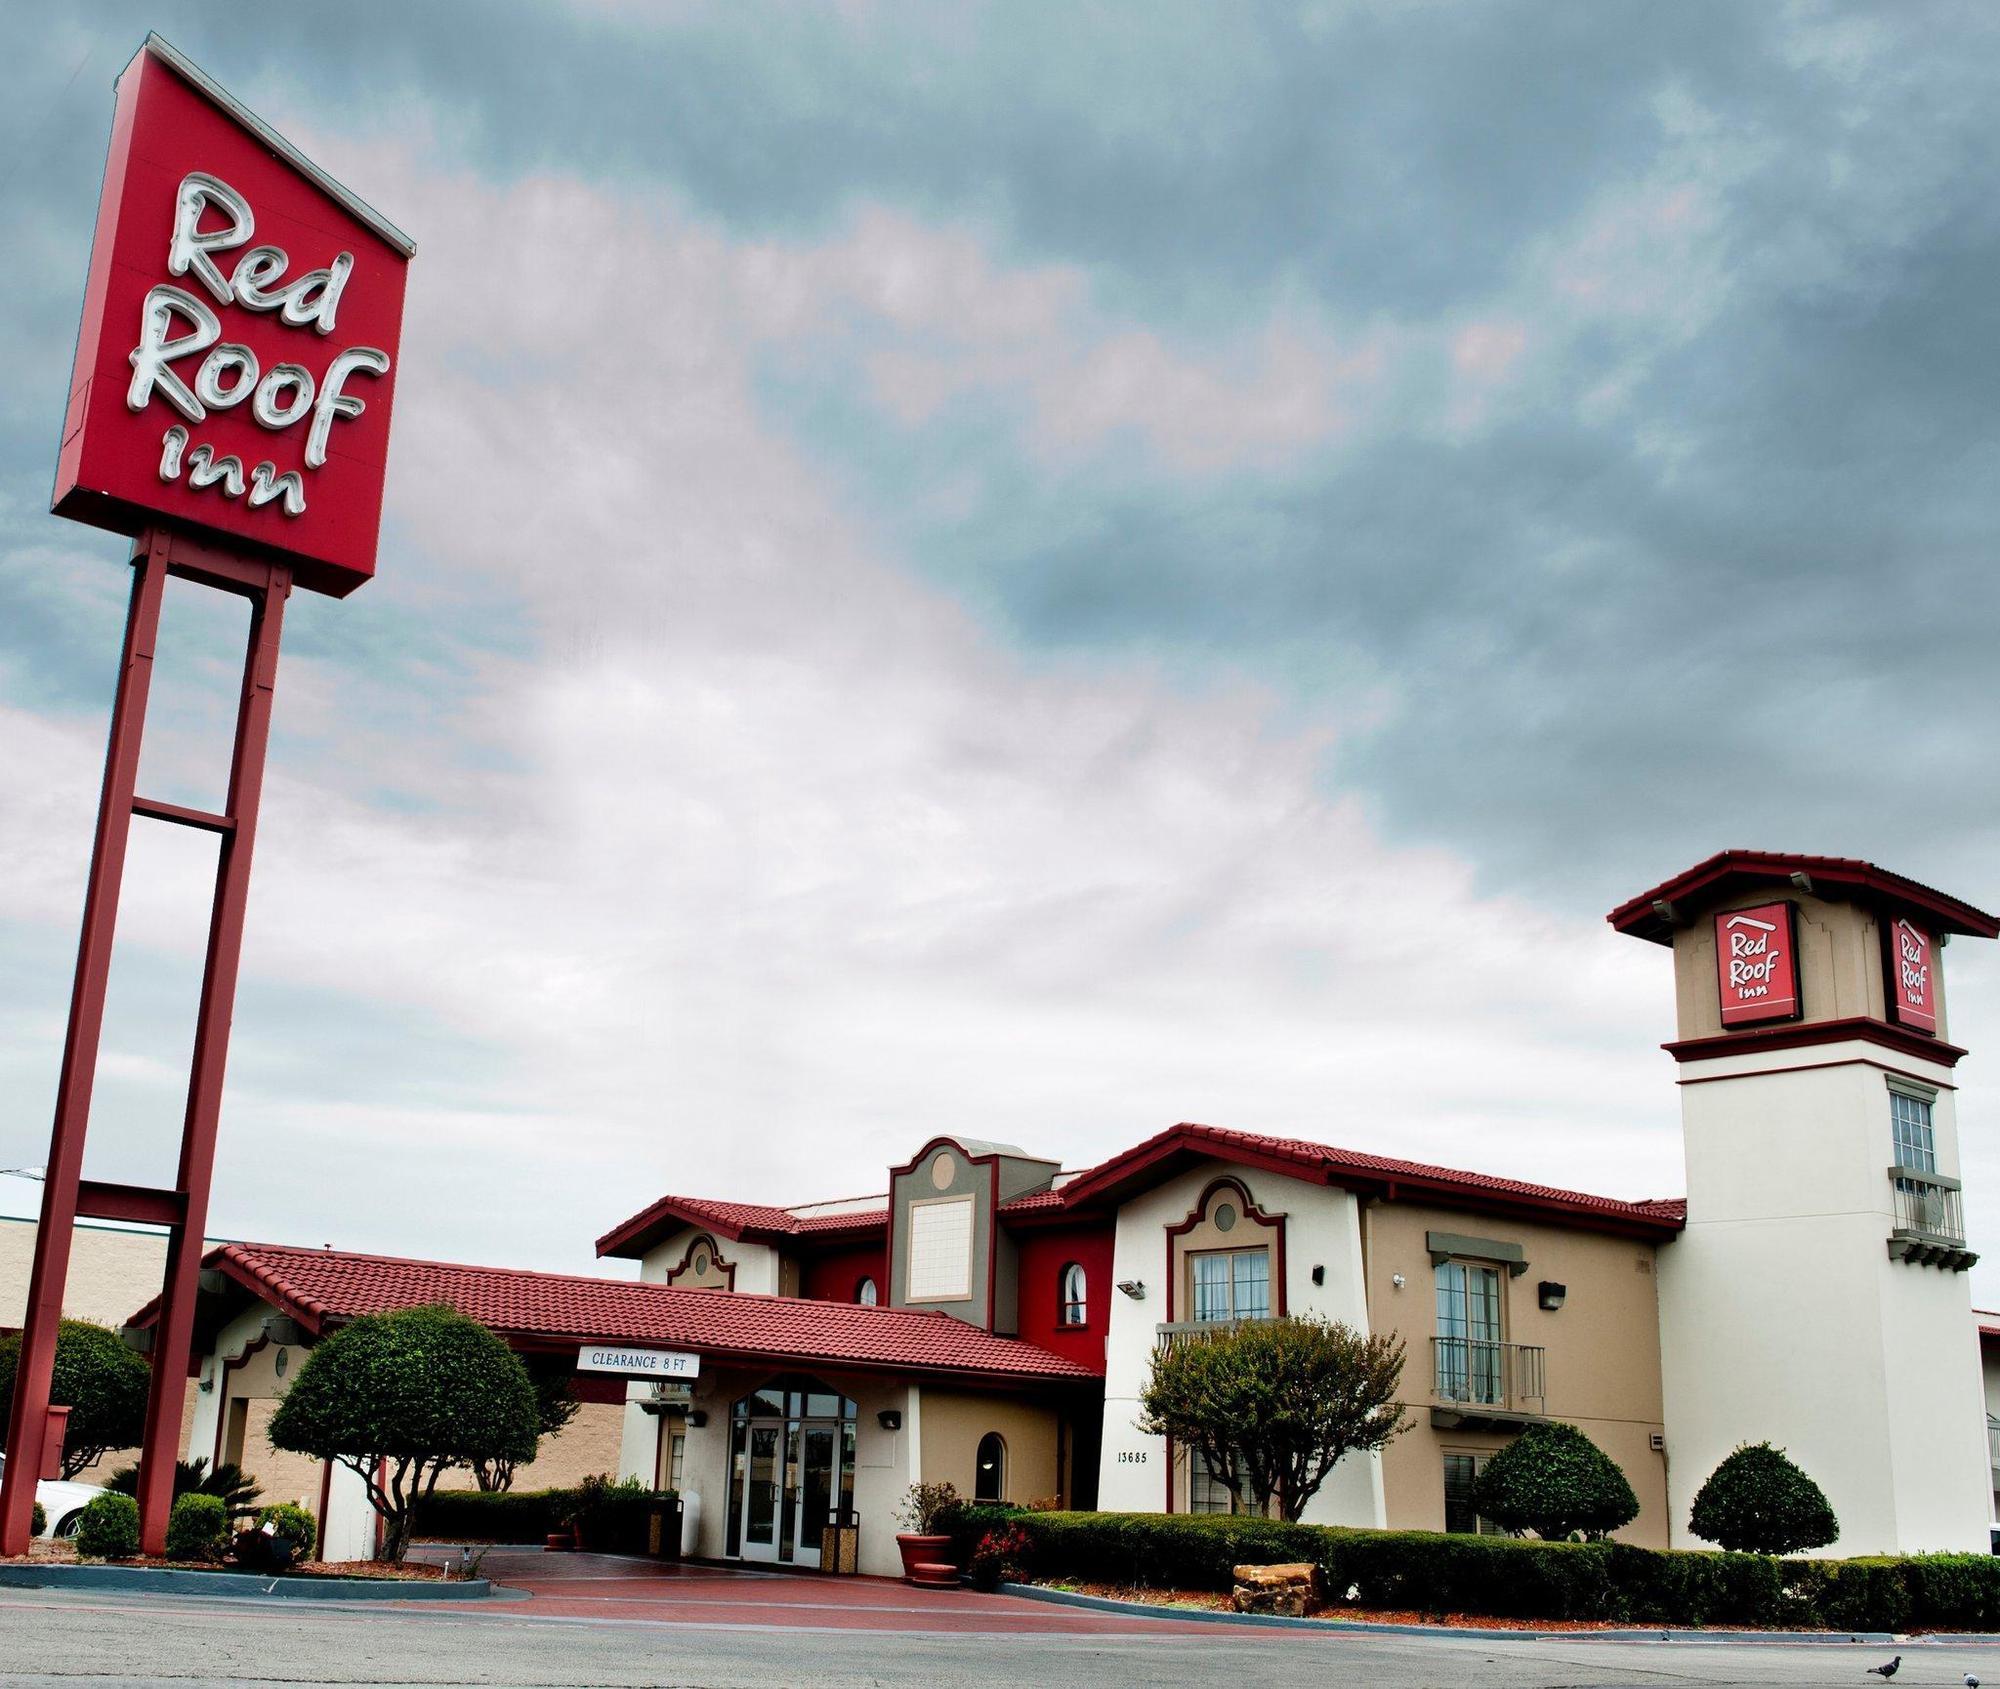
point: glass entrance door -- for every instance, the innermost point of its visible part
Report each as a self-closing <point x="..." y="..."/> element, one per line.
<point x="762" y="1492"/>
<point x="816" y="1479"/>
<point x="792" y="1471"/>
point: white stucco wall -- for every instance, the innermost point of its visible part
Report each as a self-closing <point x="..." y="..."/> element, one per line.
<point x="1323" y="1228"/>
<point x="1783" y="1319"/>
<point x="757" y="1264"/>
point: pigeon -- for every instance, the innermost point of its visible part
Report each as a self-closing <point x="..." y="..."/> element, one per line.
<point x="1888" y="1671"/>
<point x="1971" y="1682"/>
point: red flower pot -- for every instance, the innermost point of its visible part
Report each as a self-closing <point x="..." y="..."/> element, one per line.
<point x="927" y="1560"/>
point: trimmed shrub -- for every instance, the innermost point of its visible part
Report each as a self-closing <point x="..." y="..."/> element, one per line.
<point x="198" y="1528"/>
<point x="1502" y="1577"/>
<point x="1554" y="1481"/>
<point x="614" y="1518"/>
<point x="1760" y="1502"/>
<point x="294" y="1524"/>
<point x="38" y="1519"/>
<point x="492" y="1516"/>
<point x="103" y="1384"/>
<point x="109" y="1528"/>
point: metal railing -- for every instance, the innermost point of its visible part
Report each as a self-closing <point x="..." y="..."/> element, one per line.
<point x="1473" y="1372"/>
<point x="1190" y="1331"/>
<point x="1928" y="1207"/>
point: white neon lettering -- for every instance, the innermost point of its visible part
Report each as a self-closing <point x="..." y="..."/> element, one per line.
<point x="266" y="407"/>
<point x="156" y="349"/>
<point x="364" y="360"/>
<point x="225" y="359"/>
<point x="188" y="251"/>
<point x="176" y="324"/>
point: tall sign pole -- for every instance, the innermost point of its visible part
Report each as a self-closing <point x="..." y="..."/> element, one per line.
<point x="229" y="408"/>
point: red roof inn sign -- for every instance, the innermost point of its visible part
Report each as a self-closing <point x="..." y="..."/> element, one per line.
<point x="229" y="408"/>
<point x="1756" y="964"/>
<point x="1912" y="976"/>
<point x="237" y="358"/>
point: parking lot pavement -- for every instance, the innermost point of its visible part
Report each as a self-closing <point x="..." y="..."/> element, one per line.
<point x="582" y="1619"/>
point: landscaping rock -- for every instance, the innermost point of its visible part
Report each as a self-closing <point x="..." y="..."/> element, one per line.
<point x="1289" y="1590"/>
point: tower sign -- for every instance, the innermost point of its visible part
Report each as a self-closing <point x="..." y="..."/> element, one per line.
<point x="229" y="408"/>
<point x="237" y="358"/>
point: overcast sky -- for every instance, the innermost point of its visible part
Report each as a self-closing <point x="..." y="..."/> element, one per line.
<point x="1035" y="572"/>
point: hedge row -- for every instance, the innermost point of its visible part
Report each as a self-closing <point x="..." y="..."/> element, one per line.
<point x="615" y="1518"/>
<point x="1509" y="1577"/>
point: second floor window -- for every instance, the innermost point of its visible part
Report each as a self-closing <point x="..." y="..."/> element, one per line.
<point x="866" y="1294"/>
<point x="1468" y="1328"/>
<point x="1910" y="1127"/>
<point x="1074" y="1307"/>
<point x="1231" y="1284"/>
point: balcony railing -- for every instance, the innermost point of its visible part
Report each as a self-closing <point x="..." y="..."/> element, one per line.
<point x="1190" y="1331"/>
<point x="1474" y="1373"/>
<point x="1930" y="1220"/>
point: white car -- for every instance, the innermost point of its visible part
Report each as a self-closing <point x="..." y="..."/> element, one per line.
<point x="62" y="1502"/>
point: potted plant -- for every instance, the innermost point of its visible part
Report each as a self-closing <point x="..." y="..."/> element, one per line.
<point x="927" y="1515"/>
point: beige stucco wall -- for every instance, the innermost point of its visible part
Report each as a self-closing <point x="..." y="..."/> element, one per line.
<point x="953" y="1423"/>
<point x="1840" y="964"/>
<point x="585" y="1447"/>
<point x="1602" y="1351"/>
<point x="112" y="1274"/>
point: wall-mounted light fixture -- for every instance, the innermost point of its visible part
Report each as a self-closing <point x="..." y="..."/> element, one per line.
<point x="1134" y="1288"/>
<point x="1550" y="1294"/>
<point x="890" y="1419"/>
<point x="1319" y="1274"/>
<point x="697" y="1417"/>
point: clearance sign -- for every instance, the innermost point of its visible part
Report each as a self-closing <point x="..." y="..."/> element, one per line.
<point x="236" y="362"/>
<point x="1756" y="964"/>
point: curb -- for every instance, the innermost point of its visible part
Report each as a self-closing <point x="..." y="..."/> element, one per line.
<point x="237" y="1586"/>
<point x="1464" y="1633"/>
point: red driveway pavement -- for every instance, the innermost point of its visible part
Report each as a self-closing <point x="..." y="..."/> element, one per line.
<point x="602" y="1586"/>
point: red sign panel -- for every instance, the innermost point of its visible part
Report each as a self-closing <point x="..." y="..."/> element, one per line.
<point x="237" y="359"/>
<point x="1912" y="976"/>
<point x="1757" y="964"/>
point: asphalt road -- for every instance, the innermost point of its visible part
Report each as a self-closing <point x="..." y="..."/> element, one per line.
<point x="67" y="1639"/>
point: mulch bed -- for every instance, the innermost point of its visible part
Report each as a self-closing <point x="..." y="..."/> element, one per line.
<point x="1208" y="1601"/>
<point x="414" y="1571"/>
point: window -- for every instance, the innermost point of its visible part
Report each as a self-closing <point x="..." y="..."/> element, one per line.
<point x="677" y="1461"/>
<point x="1206" y="1492"/>
<point x="1910" y="1125"/>
<point x="1460" y="1515"/>
<point x="1074" y="1308"/>
<point x="866" y="1294"/>
<point x="989" y="1478"/>
<point x="940" y="1263"/>
<point x="1231" y="1284"/>
<point x="1469" y="1359"/>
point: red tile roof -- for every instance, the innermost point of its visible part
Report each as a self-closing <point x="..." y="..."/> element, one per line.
<point x="758" y="1221"/>
<point x="315" y="1286"/>
<point x="1731" y="871"/>
<point x="1182" y="1144"/>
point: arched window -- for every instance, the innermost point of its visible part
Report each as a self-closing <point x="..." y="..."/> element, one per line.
<point x="1074" y="1308"/>
<point x="989" y="1480"/>
<point x="866" y="1294"/>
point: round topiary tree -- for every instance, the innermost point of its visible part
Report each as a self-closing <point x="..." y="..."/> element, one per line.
<point x="100" y="1381"/>
<point x="400" y="1398"/>
<point x="198" y="1527"/>
<point x="1758" y="1501"/>
<point x="1554" y="1481"/>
